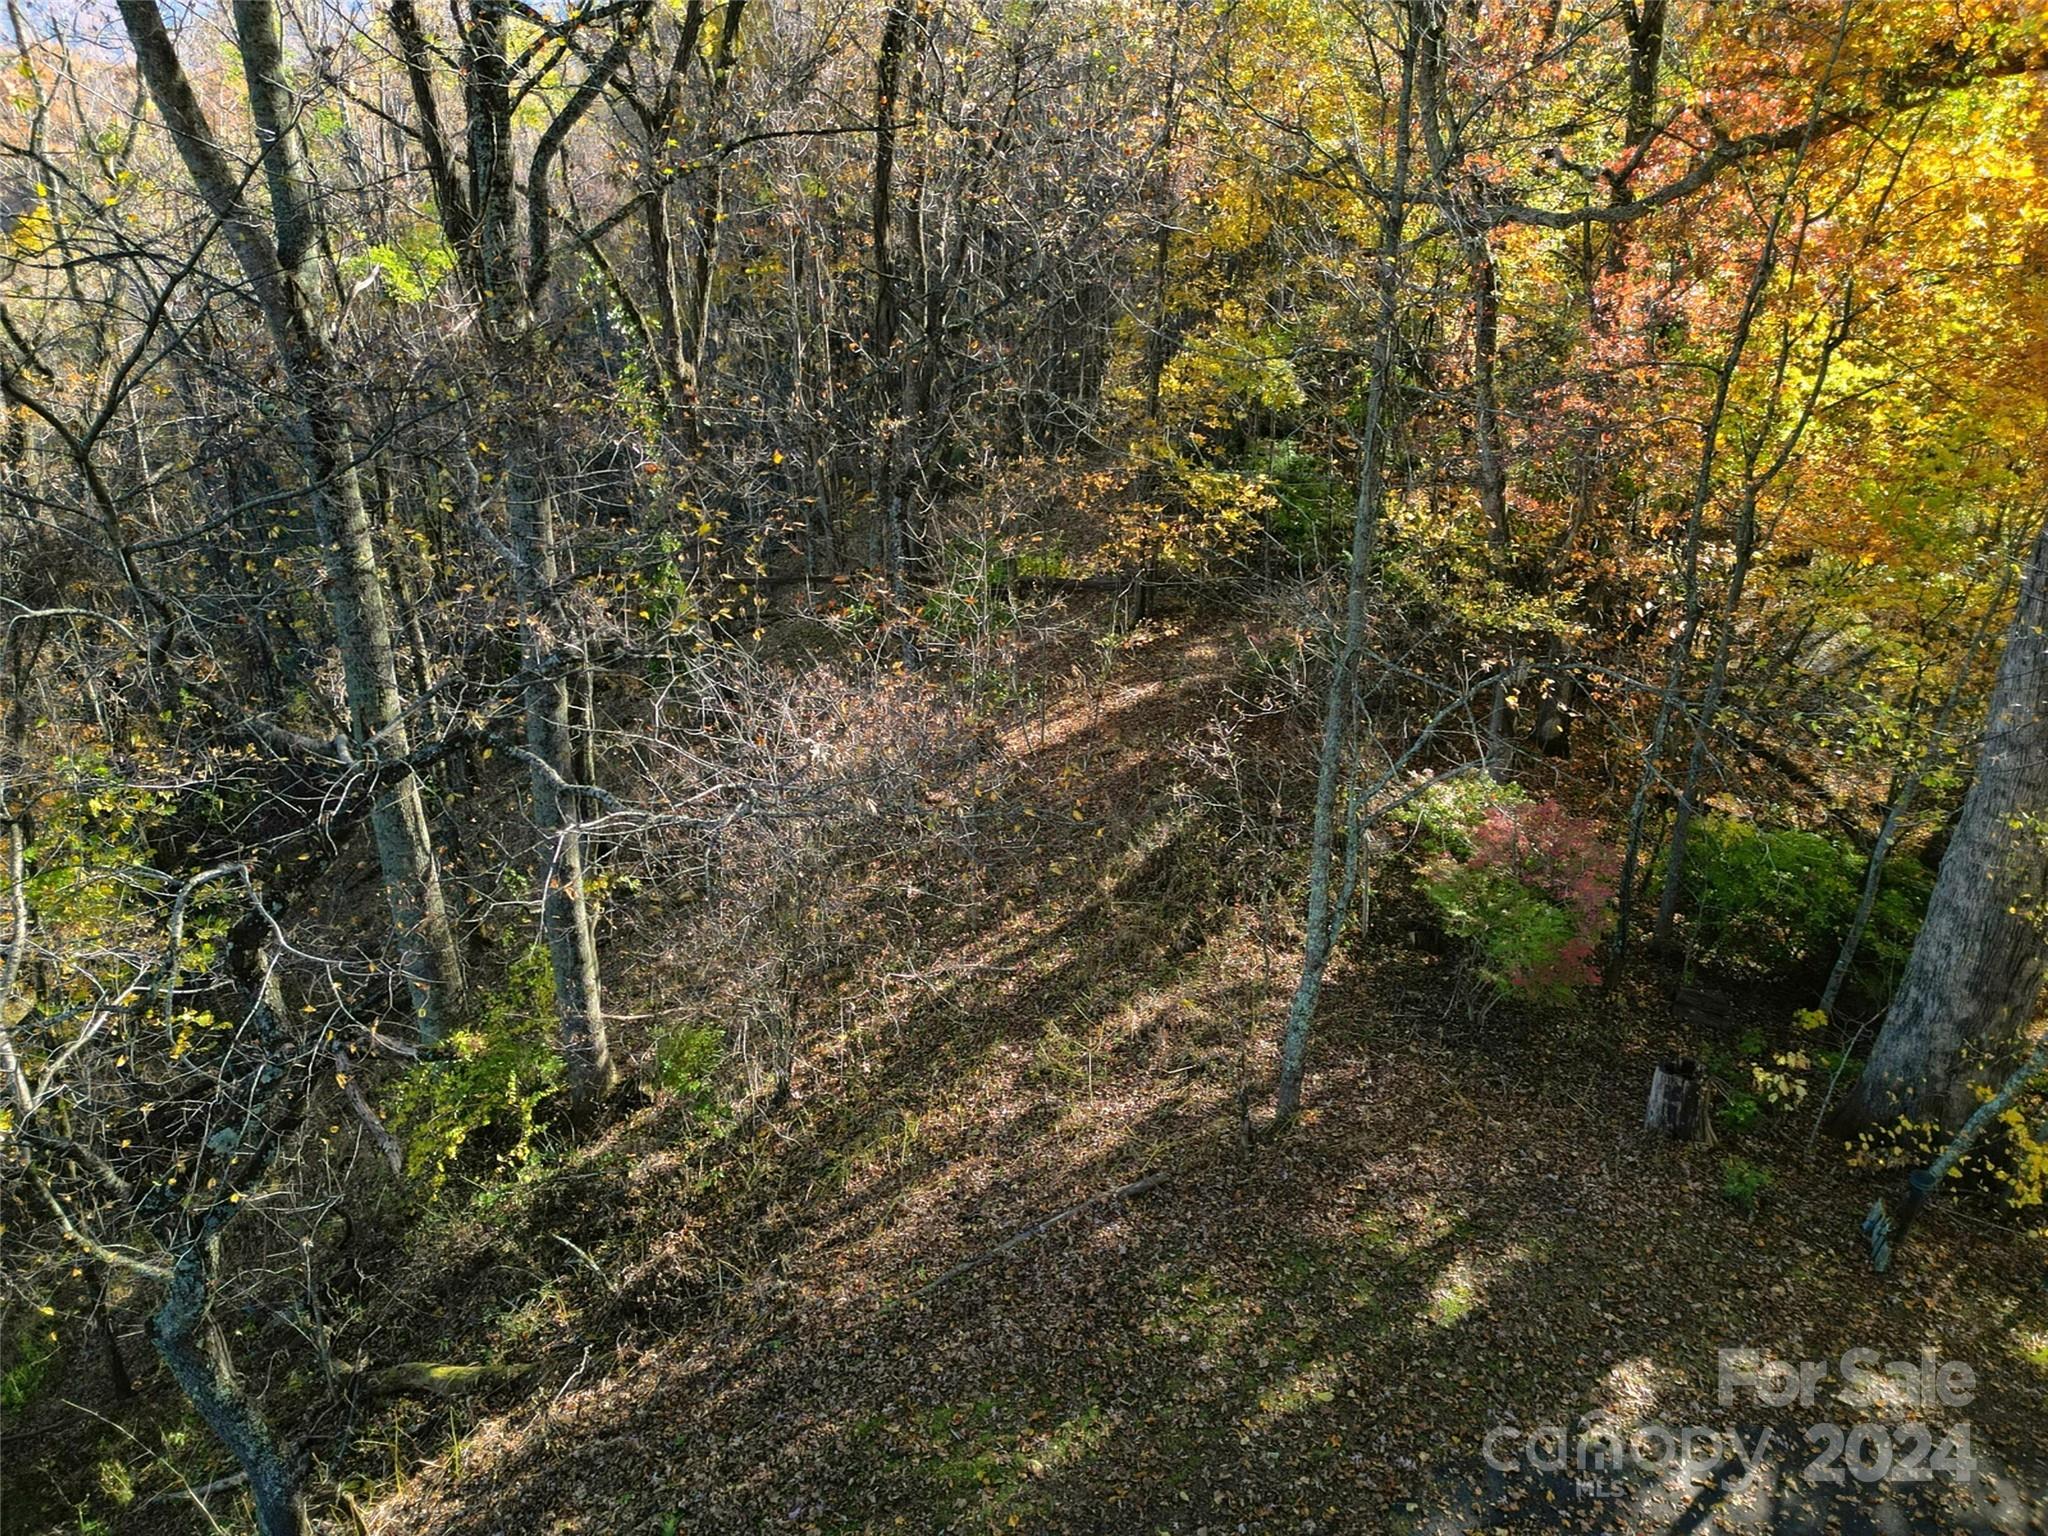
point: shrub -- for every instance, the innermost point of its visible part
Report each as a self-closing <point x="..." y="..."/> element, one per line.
<point x="1444" y="815"/>
<point x="1755" y="1080"/>
<point x="1743" y="1183"/>
<point x="1895" y="921"/>
<point x="34" y="1361"/>
<point x="1778" y="902"/>
<point x="1738" y="1109"/>
<point x="1311" y="511"/>
<point x="117" y="1482"/>
<point x="490" y="1085"/>
<point x="2009" y="1165"/>
<point x="1532" y="895"/>
<point x="686" y="1062"/>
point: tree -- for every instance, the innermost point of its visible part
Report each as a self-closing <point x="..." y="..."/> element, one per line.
<point x="138" y="1122"/>
<point x="1967" y="1000"/>
<point x="1334" y="756"/>
<point x="281" y="266"/>
<point x="478" y="216"/>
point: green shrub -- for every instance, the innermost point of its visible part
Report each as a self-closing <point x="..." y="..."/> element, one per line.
<point x="1048" y="561"/>
<point x="487" y="1090"/>
<point x="1310" y="514"/>
<point x="34" y="1359"/>
<point x="686" y="1063"/>
<point x="117" y="1482"/>
<point x="1841" y="1066"/>
<point x="1894" y="923"/>
<point x="1532" y="894"/>
<point x="1739" y="1109"/>
<point x="1743" y="1183"/>
<point x="968" y="591"/>
<point x="1777" y="903"/>
<point x="1445" y="815"/>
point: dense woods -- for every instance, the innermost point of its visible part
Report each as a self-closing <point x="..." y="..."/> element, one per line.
<point x="701" y="696"/>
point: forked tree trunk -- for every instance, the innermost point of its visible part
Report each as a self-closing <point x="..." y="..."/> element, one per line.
<point x="1668" y="706"/>
<point x="1687" y="806"/>
<point x="505" y="298"/>
<point x="1648" y="50"/>
<point x="711" y="202"/>
<point x="283" y="272"/>
<point x="1968" y="994"/>
<point x="182" y="1328"/>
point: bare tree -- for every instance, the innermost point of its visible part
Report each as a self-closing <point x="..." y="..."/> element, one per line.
<point x="505" y="283"/>
<point x="1333" y="760"/>
<point x="280" y="265"/>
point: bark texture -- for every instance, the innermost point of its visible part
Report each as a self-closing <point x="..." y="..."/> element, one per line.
<point x="1968" y="996"/>
<point x="280" y="266"/>
<point x="1332" y="765"/>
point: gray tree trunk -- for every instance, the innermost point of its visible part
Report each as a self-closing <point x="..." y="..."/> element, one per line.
<point x="1895" y="818"/>
<point x="1703" y="722"/>
<point x="182" y="1328"/>
<point x="190" y="1345"/>
<point x="552" y="660"/>
<point x="1689" y="571"/>
<point x="1646" y="37"/>
<point x="555" y="765"/>
<point x="1331" y="766"/>
<point x="1970" y="987"/>
<point x="281" y="270"/>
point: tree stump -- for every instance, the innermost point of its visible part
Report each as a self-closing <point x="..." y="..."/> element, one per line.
<point x="1675" y="1099"/>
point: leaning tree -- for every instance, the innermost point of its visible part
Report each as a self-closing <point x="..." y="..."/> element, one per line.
<point x="1972" y="983"/>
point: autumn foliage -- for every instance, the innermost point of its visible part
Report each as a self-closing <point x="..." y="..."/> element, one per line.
<point x="1533" y="898"/>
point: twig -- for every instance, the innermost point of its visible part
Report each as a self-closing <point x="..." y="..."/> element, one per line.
<point x="200" y="1494"/>
<point x="603" y="1279"/>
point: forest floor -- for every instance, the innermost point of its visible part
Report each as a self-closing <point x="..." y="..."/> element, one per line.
<point x="758" y="1327"/>
<point x="1466" y="1231"/>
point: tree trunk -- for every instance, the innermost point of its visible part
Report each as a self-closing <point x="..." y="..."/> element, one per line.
<point x="1689" y="573"/>
<point x="1331" y="767"/>
<point x="558" y="809"/>
<point x="1675" y="1100"/>
<point x="1967" y="998"/>
<point x="884" y="330"/>
<point x="191" y="1347"/>
<point x="283" y="275"/>
<point x="711" y="202"/>
<point x="1703" y="722"/>
<point x="554" y="665"/>
<point x="1895" y="821"/>
<point x="1887" y="1235"/>
<point x="1492" y="462"/>
<point x="1648" y="50"/>
<point x="185" y="1335"/>
<point x="1442" y="139"/>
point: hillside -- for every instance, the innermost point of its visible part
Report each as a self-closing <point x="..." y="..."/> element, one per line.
<point x="1023" y="765"/>
<point x="840" y="1312"/>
